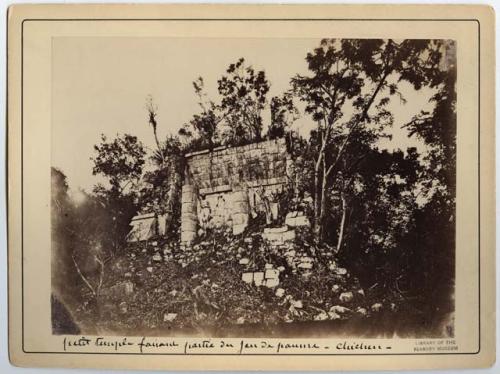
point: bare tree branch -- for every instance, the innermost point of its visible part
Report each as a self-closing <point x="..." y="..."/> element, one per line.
<point x="92" y="289"/>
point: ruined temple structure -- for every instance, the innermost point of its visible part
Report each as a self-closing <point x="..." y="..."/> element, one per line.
<point x="227" y="185"/>
<point x="145" y="227"/>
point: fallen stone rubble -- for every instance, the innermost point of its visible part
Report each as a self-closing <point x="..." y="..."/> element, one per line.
<point x="223" y="280"/>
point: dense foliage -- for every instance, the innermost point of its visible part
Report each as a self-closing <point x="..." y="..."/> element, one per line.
<point x="387" y="215"/>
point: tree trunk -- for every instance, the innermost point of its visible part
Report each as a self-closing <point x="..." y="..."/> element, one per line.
<point x="317" y="223"/>
<point x="342" y="223"/>
<point x="322" y="209"/>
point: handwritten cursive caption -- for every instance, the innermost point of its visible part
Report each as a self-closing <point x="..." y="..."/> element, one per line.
<point x="152" y="345"/>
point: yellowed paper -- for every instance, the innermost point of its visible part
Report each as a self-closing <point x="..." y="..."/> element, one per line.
<point x="247" y="241"/>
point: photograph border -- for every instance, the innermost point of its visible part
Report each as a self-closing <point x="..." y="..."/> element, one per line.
<point x="253" y="20"/>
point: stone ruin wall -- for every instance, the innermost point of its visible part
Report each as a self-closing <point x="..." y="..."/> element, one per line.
<point x="228" y="184"/>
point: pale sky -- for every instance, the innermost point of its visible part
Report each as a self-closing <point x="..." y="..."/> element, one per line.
<point x="100" y="85"/>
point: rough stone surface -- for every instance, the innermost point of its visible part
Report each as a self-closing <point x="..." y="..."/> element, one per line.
<point x="272" y="274"/>
<point x="339" y="309"/>
<point x="278" y="236"/>
<point x="247" y="277"/>
<point x="275" y="230"/>
<point x="225" y="186"/>
<point x="297" y="219"/>
<point x="280" y="292"/>
<point x="377" y="307"/>
<point x="341" y="271"/>
<point x="321" y="316"/>
<point x="362" y="311"/>
<point x="346" y="297"/>
<point x="169" y="317"/>
<point x="272" y="282"/>
<point x="305" y="265"/>
<point x="258" y="278"/>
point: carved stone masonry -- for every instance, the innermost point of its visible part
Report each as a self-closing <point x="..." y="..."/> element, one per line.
<point x="223" y="187"/>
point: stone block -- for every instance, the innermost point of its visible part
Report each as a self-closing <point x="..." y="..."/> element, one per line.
<point x="271" y="283"/>
<point x="238" y="229"/>
<point x="272" y="274"/>
<point x="275" y="230"/>
<point x="289" y="235"/>
<point x="240" y="207"/>
<point x="377" y="307"/>
<point x="189" y="217"/>
<point x="362" y="311"/>
<point x="346" y="297"/>
<point x="188" y="199"/>
<point x="280" y="292"/>
<point x="279" y="238"/>
<point x="169" y="317"/>
<point x="240" y="219"/>
<point x="305" y="265"/>
<point x="323" y="316"/>
<point x="188" y="189"/>
<point x="247" y="277"/>
<point x="187" y="236"/>
<point x="339" y="309"/>
<point x="333" y="315"/>
<point x="244" y="261"/>
<point x="258" y="278"/>
<point x="341" y="271"/>
<point x="188" y="207"/>
<point x="294" y="220"/>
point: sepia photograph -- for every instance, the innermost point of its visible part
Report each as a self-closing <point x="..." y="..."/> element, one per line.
<point x="253" y="187"/>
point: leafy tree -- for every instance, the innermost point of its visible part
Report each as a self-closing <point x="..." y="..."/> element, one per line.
<point x="437" y="128"/>
<point x="347" y="96"/>
<point x="381" y="207"/>
<point x="244" y="97"/>
<point x="120" y="161"/>
<point x="400" y="222"/>
<point x="283" y="114"/>
<point x="202" y="129"/>
<point x="237" y="118"/>
<point x="432" y="242"/>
